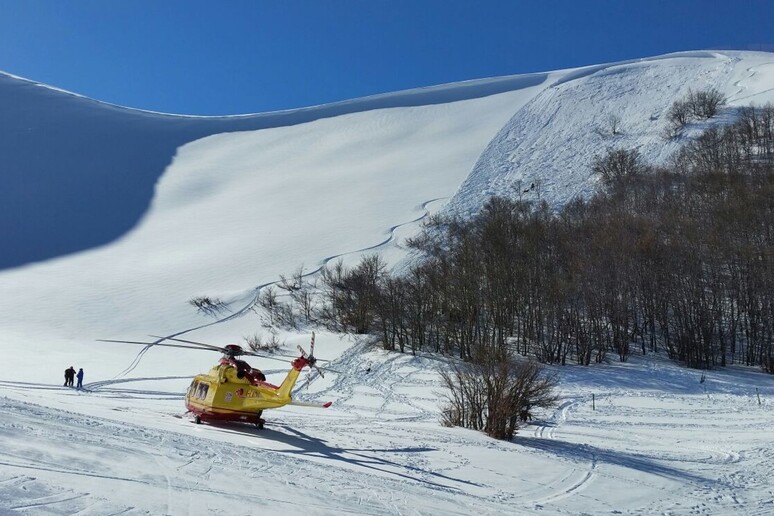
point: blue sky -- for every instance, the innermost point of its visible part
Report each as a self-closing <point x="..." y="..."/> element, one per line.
<point x="238" y="56"/>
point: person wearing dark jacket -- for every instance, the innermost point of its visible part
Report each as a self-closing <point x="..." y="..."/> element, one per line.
<point x="80" y="378"/>
<point x="69" y="376"/>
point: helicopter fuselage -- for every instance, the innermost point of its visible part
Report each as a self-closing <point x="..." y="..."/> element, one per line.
<point x="232" y="390"/>
<point x="229" y="393"/>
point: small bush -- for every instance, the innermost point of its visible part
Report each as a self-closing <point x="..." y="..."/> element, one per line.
<point x="256" y="342"/>
<point x="496" y="395"/>
<point x="704" y="104"/>
<point x="207" y="305"/>
<point x="678" y="115"/>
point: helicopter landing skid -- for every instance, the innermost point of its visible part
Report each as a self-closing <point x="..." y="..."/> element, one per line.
<point x="257" y="420"/>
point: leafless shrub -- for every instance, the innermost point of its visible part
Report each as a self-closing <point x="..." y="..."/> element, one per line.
<point x="209" y="306"/>
<point x="496" y="394"/>
<point x="705" y="103"/>
<point x="677" y="116"/>
<point x="256" y="342"/>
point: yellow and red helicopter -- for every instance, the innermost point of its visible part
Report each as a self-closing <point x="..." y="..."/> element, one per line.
<point x="233" y="390"/>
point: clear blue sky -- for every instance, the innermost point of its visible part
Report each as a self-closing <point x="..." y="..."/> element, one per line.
<point x="240" y="56"/>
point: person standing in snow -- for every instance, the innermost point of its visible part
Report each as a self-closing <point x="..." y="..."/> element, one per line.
<point x="80" y="379"/>
<point x="69" y="376"/>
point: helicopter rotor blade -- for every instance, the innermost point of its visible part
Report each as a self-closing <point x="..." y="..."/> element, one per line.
<point x="210" y="346"/>
<point x="139" y="343"/>
<point x="254" y="354"/>
<point x="202" y="344"/>
<point x="272" y="356"/>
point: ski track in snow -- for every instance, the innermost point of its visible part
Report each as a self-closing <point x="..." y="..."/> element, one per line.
<point x="257" y="290"/>
<point x="388" y="395"/>
<point x="365" y="463"/>
<point x="719" y="470"/>
<point x="753" y="71"/>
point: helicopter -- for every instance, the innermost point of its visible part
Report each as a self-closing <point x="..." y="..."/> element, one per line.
<point x="232" y="390"/>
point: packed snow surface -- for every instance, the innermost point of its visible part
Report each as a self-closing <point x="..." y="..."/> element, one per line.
<point x="223" y="206"/>
<point x="642" y="437"/>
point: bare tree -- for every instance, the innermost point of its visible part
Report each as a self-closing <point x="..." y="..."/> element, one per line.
<point x="279" y="313"/>
<point x="614" y="124"/>
<point x="678" y="115"/>
<point x="301" y="291"/>
<point x="618" y="164"/>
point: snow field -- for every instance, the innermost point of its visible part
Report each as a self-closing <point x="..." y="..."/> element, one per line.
<point x="235" y="210"/>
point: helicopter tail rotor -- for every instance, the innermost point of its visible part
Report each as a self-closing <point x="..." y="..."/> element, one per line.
<point x="311" y="361"/>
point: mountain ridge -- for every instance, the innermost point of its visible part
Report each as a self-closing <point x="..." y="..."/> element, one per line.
<point x="79" y="173"/>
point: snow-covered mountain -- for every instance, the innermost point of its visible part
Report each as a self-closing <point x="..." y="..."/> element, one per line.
<point x="112" y="219"/>
<point x="78" y="173"/>
<point x="551" y="141"/>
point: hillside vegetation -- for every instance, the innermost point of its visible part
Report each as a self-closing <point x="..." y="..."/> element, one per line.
<point x="677" y="258"/>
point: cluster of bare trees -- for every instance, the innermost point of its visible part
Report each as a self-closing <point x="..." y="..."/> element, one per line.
<point x="679" y="259"/>
<point x="697" y="105"/>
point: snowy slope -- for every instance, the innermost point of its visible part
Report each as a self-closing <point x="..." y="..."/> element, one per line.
<point x="79" y="173"/>
<point x="222" y="213"/>
<point x="235" y="210"/>
<point x="653" y="442"/>
<point x="552" y="140"/>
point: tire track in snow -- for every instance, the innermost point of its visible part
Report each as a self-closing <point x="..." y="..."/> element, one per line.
<point x="325" y="261"/>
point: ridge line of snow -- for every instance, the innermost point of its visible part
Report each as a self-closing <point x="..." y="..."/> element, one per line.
<point x="420" y="96"/>
<point x="413" y="97"/>
<point x="585" y="71"/>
